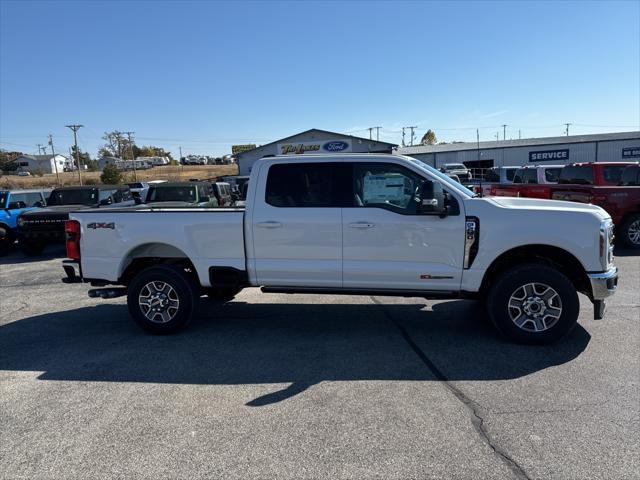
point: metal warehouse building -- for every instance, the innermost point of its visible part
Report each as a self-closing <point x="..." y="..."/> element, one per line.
<point x="311" y="141"/>
<point x="605" y="147"/>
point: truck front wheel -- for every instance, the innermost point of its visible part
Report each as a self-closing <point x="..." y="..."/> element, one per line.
<point x="534" y="304"/>
<point x="630" y="231"/>
<point x="162" y="299"/>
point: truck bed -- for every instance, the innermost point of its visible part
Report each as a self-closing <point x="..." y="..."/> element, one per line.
<point x="112" y="238"/>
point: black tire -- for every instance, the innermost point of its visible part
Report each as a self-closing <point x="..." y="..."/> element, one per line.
<point x="627" y="230"/>
<point x="31" y="248"/>
<point x="552" y="322"/>
<point x="7" y="239"/>
<point x="222" y="295"/>
<point x="174" y="316"/>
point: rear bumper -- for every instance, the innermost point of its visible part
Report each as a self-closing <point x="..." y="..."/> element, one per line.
<point x="72" y="270"/>
<point x="603" y="284"/>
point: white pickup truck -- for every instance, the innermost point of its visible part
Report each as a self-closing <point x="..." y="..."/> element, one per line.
<point x="353" y="224"/>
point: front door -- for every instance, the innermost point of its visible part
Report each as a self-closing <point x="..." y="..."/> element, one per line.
<point x="387" y="245"/>
<point x="297" y="226"/>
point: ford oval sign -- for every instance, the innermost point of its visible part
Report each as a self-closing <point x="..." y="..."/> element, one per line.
<point x="336" y="146"/>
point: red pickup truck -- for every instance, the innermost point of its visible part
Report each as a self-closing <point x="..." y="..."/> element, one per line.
<point x="614" y="186"/>
<point x="533" y="181"/>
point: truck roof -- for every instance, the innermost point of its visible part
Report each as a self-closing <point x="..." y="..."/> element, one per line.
<point x="582" y="164"/>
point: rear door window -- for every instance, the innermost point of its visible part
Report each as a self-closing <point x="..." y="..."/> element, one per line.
<point x="310" y="185"/>
<point x="612" y="174"/>
<point x="552" y="174"/>
<point x="510" y="173"/>
<point x="577" y="174"/>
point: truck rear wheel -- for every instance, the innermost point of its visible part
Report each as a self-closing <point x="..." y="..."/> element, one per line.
<point x="630" y="231"/>
<point x="162" y="299"/>
<point x="534" y="304"/>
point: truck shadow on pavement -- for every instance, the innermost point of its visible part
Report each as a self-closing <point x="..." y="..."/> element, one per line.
<point x="297" y="344"/>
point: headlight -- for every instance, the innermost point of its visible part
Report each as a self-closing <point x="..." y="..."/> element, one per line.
<point x="606" y="244"/>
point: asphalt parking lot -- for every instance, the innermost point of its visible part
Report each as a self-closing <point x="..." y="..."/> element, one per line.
<point x="302" y="386"/>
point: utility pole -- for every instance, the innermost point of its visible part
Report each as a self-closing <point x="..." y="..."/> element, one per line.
<point x="567" y="129"/>
<point x="75" y="129"/>
<point x="478" y="143"/>
<point x="55" y="163"/>
<point x="403" y="144"/>
<point x="180" y="162"/>
<point x="40" y="149"/>
<point x="412" y="135"/>
<point x="370" y="130"/>
<point x="504" y="132"/>
<point x="519" y="134"/>
<point x="133" y="160"/>
<point x="497" y="137"/>
<point x="377" y="133"/>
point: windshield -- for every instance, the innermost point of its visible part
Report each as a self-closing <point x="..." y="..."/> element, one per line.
<point x="446" y="181"/>
<point x="3" y="198"/>
<point x="172" y="194"/>
<point x="74" y="197"/>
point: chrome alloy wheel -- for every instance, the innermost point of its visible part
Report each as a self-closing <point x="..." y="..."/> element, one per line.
<point x="158" y="302"/>
<point x="633" y="231"/>
<point x="535" y="307"/>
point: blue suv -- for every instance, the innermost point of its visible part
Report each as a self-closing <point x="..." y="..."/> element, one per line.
<point x="12" y="204"/>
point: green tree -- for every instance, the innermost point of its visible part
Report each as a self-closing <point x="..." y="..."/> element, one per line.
<point x="429" y="138"/>
<point x="111" y="175"/>
<point x="85" y="158"/>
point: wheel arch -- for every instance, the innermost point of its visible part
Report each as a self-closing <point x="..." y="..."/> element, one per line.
<point x="557" y="257"/>
<point x="149" y="254"/>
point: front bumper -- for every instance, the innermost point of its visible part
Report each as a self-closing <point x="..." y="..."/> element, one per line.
<point x="603" y="284"/>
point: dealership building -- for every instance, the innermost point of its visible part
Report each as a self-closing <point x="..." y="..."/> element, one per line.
<point x="311" y="141"/>
<point x="604" y="147"/>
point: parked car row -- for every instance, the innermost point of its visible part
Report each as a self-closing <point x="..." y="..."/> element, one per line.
<point x="36" y="217"/>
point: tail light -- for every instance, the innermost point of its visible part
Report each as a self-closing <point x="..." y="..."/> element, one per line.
<point x="72" y="234"/>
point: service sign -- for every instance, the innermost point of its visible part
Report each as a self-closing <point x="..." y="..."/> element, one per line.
<point x="549" y="155"/>
<point x="235" y="149"/>
<point x="631" y="152"/>
<point x="322" y="146"/>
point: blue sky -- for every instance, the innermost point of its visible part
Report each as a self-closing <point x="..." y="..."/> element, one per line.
<point x="205" y="75"/>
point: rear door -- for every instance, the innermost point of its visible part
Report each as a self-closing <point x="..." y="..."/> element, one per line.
<point x="297" y="225"/>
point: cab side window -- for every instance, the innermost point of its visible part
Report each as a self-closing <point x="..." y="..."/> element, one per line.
<point x="388" y="186"/>
<point x="33" y="199"/>
<point x="310" y="185"/>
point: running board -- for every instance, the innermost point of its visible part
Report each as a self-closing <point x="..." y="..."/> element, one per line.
<point x="431" y="294"/>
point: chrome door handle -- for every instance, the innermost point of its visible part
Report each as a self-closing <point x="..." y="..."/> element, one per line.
<point x="269" y="224"/>
<point x="361" y="225"/>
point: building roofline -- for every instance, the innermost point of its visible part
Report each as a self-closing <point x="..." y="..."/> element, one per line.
<point x="238" y="155"/>
<point x="525" y="142"/>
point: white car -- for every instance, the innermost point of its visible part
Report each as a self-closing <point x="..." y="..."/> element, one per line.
<point x="357" y="224"/>
<point x="24" y="174"/>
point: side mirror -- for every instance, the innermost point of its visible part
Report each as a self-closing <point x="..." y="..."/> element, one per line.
<point x="432" y="199"/>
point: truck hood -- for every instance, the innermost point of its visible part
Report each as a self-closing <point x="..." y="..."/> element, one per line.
<point x="542" y="204"/>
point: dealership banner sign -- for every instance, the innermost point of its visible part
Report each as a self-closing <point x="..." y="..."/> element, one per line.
<point x="235" y="149"/>
<point x="323" y="146"/>
<point x="549" y="155"/>
<point x="631" y="152"/>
